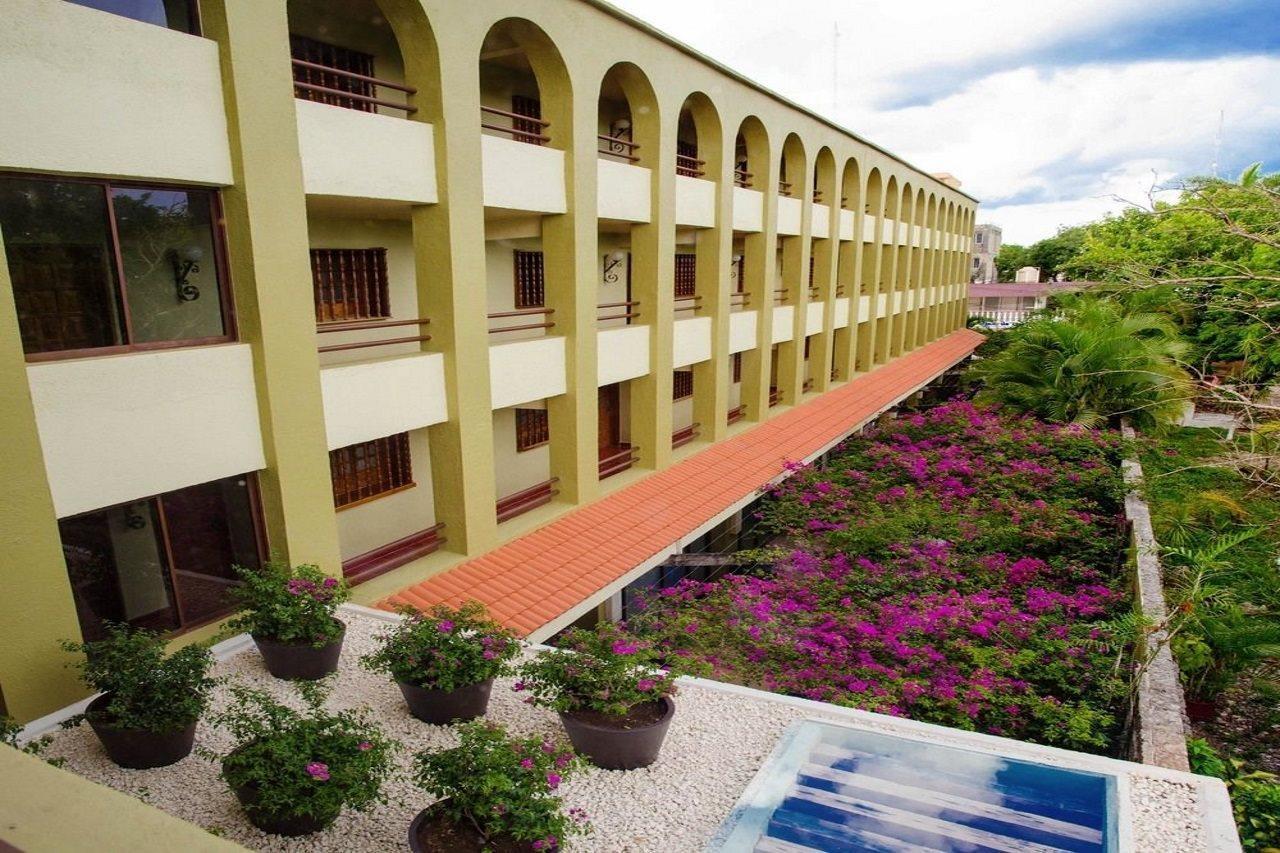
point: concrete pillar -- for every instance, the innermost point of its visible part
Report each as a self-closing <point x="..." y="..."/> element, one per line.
<point x="714" y="257"/>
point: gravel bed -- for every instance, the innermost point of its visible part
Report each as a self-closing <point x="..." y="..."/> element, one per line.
<point x="715" y="746"/>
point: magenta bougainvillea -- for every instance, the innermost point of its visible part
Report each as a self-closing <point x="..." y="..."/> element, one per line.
<point x="955" y="566"/>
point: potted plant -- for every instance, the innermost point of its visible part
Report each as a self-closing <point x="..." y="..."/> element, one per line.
<point x="289" y="613"/>
<point x="150" y="702"/>
<point x="614" y="703"/>
<point x="498" y="793"/>
<point x="445" y="660"/>
<point x="294" y="771"/>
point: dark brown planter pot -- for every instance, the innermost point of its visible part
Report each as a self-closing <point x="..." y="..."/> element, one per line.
<point x="300" y="661"/>
<point x="619" y="749"/>
<point x="431" y="831"/>
<point x="139" y="749"/>
<point x="278" y="824"/>
<point x="441" y="707"/>
<point x="1202" y="710"/>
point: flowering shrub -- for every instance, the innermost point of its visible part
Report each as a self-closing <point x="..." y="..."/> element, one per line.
<point x="445" y="649"/>
<point x="303" y="763"/>
<point x="956" y="566"/>
<point x="602" y="670"/>
<point x="505" y="787"/>
<point x="289" y="605"/>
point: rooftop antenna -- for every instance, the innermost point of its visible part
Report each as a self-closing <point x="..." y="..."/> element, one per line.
<point x="1217" y="144"/>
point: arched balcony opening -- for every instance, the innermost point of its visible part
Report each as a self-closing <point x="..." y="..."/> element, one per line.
<point x="627" y="116"/>
<point x="750" y="171"/>
<point x="524" y="87"/>
<point x="688" y="161"/>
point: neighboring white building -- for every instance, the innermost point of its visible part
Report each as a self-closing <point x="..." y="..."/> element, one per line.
<point x="1027" y="275"/>
<point x="987" y="240"/>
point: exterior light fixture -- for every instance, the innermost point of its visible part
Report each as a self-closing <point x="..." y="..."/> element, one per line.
<point x="611" y="263"/>
<point x="184" y="263"/>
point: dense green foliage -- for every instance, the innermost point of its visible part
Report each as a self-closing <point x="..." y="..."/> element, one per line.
<point x="504" y="786"/>
<point x="289" y="605"/>
<point x="444" y="648"/>
<point x="311" y="762"/>
<point x="149" y="689"/>
<point x="1050" y="255"/>
<point x="1255" y="796"/>
<point x="1091" y="365"/>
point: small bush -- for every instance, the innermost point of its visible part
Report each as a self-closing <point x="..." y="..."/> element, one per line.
<point x="289" y="605"/>
<point x="445" y="649"/>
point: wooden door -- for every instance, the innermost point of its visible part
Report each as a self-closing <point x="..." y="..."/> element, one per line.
<point x="609" y="425"/>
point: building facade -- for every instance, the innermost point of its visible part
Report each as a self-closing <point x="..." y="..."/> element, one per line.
<point x="1000" y="306"/>
<point x="987" y="240"/>
<point x="382" y="286"/>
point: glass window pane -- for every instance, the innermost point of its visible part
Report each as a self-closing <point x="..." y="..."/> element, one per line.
<point x="116" y="565"/>
<point x="170" y="270"/>
<point x="211" y="528"/>
<point x="56" y="239"/>
<point x="174" y="14"/>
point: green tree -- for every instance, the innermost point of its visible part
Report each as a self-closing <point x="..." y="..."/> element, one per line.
<point x="1053" y="254"/>
<point x="1092" y="364"/>
<point x="1010" y="259"/>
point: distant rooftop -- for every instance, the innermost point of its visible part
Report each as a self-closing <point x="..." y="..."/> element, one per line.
<point x="1041" y="288"/>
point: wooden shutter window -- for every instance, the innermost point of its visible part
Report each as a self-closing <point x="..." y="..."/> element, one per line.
<point x="532" y="429"/>
<point x="686" y="274"/>
<point x="339" y="59"/>
<point x="681" y="384"/>
<point x="350" y="284"/>
<point x="362" y="472"/>
<point x="688" y="167"/>
<point x="531" y="107"/>
<point x="737" y="367"/>
<point x="531" y="288"/>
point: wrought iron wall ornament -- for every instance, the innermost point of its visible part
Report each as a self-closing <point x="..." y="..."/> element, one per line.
<point x="184" y="264"/>
<point x="612" y="261"/>
<point x="133" y="519"/>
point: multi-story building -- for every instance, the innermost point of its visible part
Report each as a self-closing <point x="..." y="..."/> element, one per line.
<point x="986" y="245"/>
<point x="1000" y="306"/>
<point x="396" y="287"/>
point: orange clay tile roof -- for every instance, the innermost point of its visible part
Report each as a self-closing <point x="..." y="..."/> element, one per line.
<point x="532" y="580"/>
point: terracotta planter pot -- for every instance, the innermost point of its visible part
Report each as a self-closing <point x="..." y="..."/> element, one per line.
<point x="278" y="824"/>
<point x="431" y="831"/>
<point x="139" y="748"/>
<point x="619" y="749"/>
<point x="441" y="707"/>
<point x="300" y="661"/>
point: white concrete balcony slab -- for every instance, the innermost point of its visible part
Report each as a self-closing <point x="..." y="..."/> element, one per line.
<point x="848" y="221"/>
<point x="783" y="323"/>
<point x="522" y="176"/>
<point x="789" y="216"/>
<point x="622" y="191"/>
<point x="126" y="427"/>
<point x="748" y="210"/>
<point x="813" y="317"/>
<point x="869" y="228"/>
<point x="819" y="221"/>
<point x="742" y="330"/>
<point x="353" y="154"/>
<point x="842" y="312"/>
<point x="691" y="341"/>
<point x="365" y="400"/>
<point x="904" y="230"/>
<point x="864" y="308"/>
<point x="621" y="354"/>
<point x="94" y="93"/>
<point x="521" y="371"/>
<point x="882" y="305"/>
<point x="695" y="202"/>
<point x="925" y="240"/>
<point x="897" y="302"/>
<point x="888" y="228"/>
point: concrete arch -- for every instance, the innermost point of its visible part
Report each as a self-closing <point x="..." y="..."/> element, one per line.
<point x="851" y="185"/>
<point x="699" y="123"/>
<point x="521" y="52"/>
<point x="892" y="198"/>
<point x="751" y="153"/>
<point x="873" y="200"/>
<point x="824" y="177"/>
<point x="792" y="166"/>
<point x="627" y="84"/>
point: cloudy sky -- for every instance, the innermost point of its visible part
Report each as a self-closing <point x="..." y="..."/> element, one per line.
<point x="1045" y="109"/>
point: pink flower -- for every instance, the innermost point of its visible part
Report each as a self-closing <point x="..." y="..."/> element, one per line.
<point x="319" y="771"/>
<point x="444" y="626"/>
<point x="364" y="746"/>
<point x="526" y="763"/>
<point x="644" y="685"/>
<point x="622" y="647"/>
<point x="330" y="583"/>
<point x="553" y="780"/>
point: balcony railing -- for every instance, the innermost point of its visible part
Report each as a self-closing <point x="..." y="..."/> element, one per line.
<point x="522" y="128"/>
<point x="690" y="167"/>
<point x="807" y="386"/>
<point x="817" y="196"/>
<point x="784" y="188"/>
<point x="681" y="437"/>
<point x="780" y="296"/>
<point x="617" y="459"/>
<point x="339" y="97"/>
<point x="522" y="327"/>
<point x="775" y="396"/>
<point x="739" y="299"/>
<point x="393" y="555"/>
<point x="527" y="499"/>
<point x="622" y="311"/>
<point x="614" y="146"/>
<point x="736" y="414"/>
<point x="742" y="178"/>
<point x="325" y="328"/>
<point x="688" y="303"/>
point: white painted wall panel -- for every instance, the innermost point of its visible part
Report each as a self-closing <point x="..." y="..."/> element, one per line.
<point x="622" y="191"/>
<point x="622" y="354"/>
<point x="748" y="210"/>
<point x="526" y="370"/>
<point x="372" y="399"/>
<point x="813" y="317"/>
<point x="520" y="176"/>
<point x="695" y="202"/>
<point x="120" y="428"/>
<point x="864" y="308"/>
<point x="842" y="312"/>
<point x="788" y="215"/>
<point x="848" y="219"/>
<point x="820" y="221"/>
<point x="691" y="341"/>
<point x="365" y="155"/>
<point x="882" y="305"/>
<point x="94" y="93"/>
<point x="742" y="330"/>
<point x="868" y="228"/>
<point x="783" y="323"/>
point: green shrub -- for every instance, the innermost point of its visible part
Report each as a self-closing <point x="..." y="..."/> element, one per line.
<point x="445" y="649"/>
<point x="149" y="689"/>
<point x="1255" y="799"/>
<point x="289" y="605"/>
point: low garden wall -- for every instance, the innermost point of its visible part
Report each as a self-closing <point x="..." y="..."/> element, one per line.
<point x="1160" y="730"/>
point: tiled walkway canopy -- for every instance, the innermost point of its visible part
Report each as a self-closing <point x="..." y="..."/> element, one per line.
<point x="533" y="580"/>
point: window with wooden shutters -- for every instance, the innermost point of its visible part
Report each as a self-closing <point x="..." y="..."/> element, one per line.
<point x="364" y="471"/>
<point x="350" y="284"/>
<point x="686" y="274"/>
<point x="531" y="107"/>
<point x="737" y="367"/>
<point x="532" y="429"/>
<point x="687" y="159"/>
<point x="681" y="384"/>
<point x="531" y="289"/>
<point x="339" y="59"/>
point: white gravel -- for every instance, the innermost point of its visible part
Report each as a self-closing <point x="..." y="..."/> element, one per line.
<point x="716" y="744"/>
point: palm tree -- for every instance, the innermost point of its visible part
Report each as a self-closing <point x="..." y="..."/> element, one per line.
<point x="1090" y="364"/>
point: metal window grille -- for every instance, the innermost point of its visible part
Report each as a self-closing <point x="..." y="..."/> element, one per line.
<point x="686" y="274"/>
<point x="364" y="471"/>
<point x="681" y="384"/>
<point x="350" y="284"/>
<point x="531" y="288"/>
<point x="339" y="59"/>
<point x="532" y="429"/>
